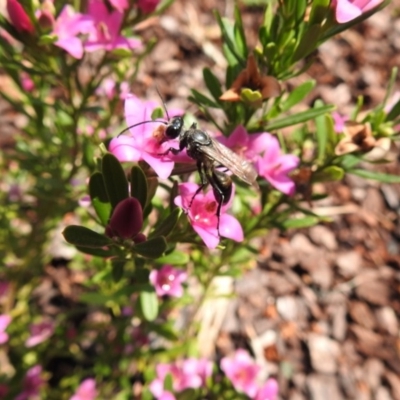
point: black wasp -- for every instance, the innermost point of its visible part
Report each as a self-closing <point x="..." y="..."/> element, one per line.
<point x="210" y="155"/>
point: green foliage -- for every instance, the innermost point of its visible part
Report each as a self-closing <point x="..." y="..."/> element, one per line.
<point x="112" y="320"/>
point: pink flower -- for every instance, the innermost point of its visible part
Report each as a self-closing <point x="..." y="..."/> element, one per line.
<point x="106" y="32"/>
<point x="392" y="101"/>
<point x="3" y="288"/>
<point x="346" y="10"/>
<point x="86" y="390"/>
<point x="275" y="166"/>
<point x="67" y="27"/>
<point x="143" y="144"/>
<point x="168" y="281"/>
<point x="242" y="372"/>
<point x="120" y="5"/>
<point x="203" y="218"/>
<point x="339" y="122"/>
<point x="248" y="146"/>
<point x="147" y="6"/>
<point x="110" y="89"/>
<point x="26" y="82"/>
<point x="19" y="18"/>
<point x="4" y="322"/>
<point x="269" y="391"/>
<point x="32" y="383"/>
<point x="189" y="373"/>
<point x="39" y="333"/>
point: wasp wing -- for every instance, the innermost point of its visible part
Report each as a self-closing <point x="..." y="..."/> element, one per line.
<point x="240" y="167"/>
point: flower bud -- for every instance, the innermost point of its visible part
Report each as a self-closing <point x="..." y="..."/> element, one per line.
<point x="126" y="220"/>
<point x="18" y="17"/>
<point x="147" y="6"/>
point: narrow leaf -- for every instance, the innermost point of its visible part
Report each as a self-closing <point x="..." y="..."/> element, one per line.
<point x="174" y="258"/>
<point x="115" y="180"/>
<point x="139" y="187"/>
<point x="148" y="302"/>
<point x="296" y="119"/>
<point x="212" y="83"/>
<point x="152" y="248"/>
<point x="168" y="224"/>
<point x="99" y="197"/>
<point x="117" y="271"/>
<point x="300" y="222"/>
<point x="98" y="252"/>
<point x="297" y="95"/>
<point x="377" y="176"/>
<point x="321" y="133"/>
<point x="85" y="237"/>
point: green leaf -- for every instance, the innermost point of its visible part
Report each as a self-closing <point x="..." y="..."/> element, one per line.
<point x="377" y="176"/>
<point x="240" y="37"/>
<point x="328" y="174"/>
<point x="97" y="299"/>
<point x="139" y="185"/>
<point x="152" y="248"/>
<point x="99" y="197"/>
<point x="115" y="180"/>
<point x="85" y="237"/>
<point x="297" y="95"/>
<point x="148" y="303"/>
<point x="202" y="100"/>
<point x="117" y="271"/>
<point x="298" y="223"/>
<point x="321" y="133"/>
<point x="164" y="330"/>
<point x="157" y="113"/>
<point x="308" y="42"/>
<point x="394" y="112"/>
<point x="175" y="258"/>
<point x="228" y="38"/>
<point x="349" y="161"/>
<point x="168" y="224"/>
<point x="98" y="252"/>
<point x="319" y="11"/>
<point x="212" y="83"/>
<point x="296" y="119"/>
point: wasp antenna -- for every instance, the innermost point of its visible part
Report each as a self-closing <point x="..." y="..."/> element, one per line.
<point x="141" y="123"/>
<point x="163" y="103"/>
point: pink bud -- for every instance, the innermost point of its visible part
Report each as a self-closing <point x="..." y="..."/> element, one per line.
<point x="147" y="6"/>
<point x="127" y="218"/>
<point x="18" y="17"/>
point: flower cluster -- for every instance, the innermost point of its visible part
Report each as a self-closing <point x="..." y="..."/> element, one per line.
<point x="264" y="151"/>
<point x="97" y="29"/>
<point x="242" y="371"/>
<point x="188" y="373"/>
<point x="168" y="280"/>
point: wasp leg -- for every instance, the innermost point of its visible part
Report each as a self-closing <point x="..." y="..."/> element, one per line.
<point x="203" y="180"/>
<point x="221" y="184"/>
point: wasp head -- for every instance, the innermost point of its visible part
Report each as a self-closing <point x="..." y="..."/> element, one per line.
<point x="174" y="128"/>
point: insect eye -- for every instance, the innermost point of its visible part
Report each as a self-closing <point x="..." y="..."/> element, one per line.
<point x="174" y="128"/>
